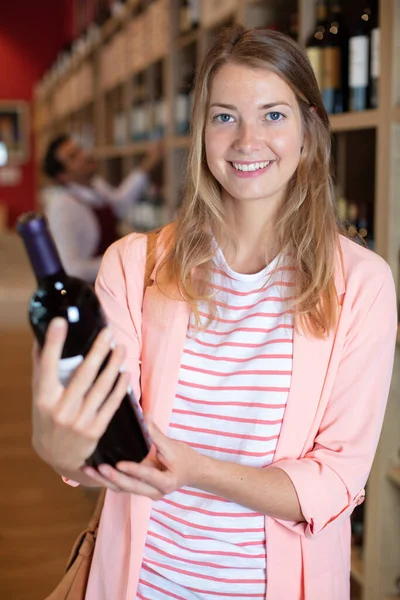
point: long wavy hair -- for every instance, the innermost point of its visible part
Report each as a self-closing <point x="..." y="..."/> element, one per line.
<point x="307" y="225"/>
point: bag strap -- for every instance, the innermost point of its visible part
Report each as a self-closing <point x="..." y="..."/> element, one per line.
<point x="150" y="262"/>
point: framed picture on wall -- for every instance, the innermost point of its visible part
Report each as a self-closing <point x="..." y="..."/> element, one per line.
<point x="14" y="130"/>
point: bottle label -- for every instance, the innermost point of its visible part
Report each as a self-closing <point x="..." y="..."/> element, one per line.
<point x="315" y="57"/>
<point x="358" y="75"/>
<point x="67" y="367"/>
<point x="331" y="68"/>
<point x="375" y="53"/>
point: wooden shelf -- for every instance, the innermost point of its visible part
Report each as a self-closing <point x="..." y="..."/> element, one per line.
<point x="393" y="475"/>
<point x="178" y="142"/>
<point x="185" y="39"/>
<point x="351" y="121"/>
<point x="120" y="151"/>
<point x="357" y="567"/>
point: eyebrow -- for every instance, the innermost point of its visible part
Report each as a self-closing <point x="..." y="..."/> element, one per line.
<point x="262" y="107"/>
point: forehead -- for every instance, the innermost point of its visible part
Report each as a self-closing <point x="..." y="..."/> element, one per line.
<point x="242" y="83"/>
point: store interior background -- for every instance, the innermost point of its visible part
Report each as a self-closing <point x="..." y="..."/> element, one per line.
<point x="41" y="516"/>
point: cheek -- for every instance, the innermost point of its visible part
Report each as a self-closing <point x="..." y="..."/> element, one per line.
<point x="213" y="147"/>
<point x="287" y="143"/>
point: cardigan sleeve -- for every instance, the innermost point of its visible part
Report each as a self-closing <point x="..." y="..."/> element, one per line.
<point x="329" y="479"/>
<point x="122" y="267"/>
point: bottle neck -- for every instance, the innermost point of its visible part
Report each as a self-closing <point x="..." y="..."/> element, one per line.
<point x="43" y="254"/>
<point x="55" y="278"/>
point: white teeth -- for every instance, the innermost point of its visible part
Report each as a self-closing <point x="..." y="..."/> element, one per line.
<point x="251" y="167"/>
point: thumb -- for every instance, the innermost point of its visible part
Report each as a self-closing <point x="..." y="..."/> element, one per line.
<point x="160" y="441"/>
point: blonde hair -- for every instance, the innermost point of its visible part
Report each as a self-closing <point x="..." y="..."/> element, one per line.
<point x="307" y="225"/>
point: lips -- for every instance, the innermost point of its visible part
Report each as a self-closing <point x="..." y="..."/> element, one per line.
<point x="250" y="169"/>
<point x="255" y="166"/>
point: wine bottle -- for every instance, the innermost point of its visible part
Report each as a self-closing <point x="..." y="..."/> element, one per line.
<point x="317" y="41"/>
<point x="335" y="62"/>
<point x="59" y="295"/>
<point x="359" y="61"/>
<point x="194" y="13"/>
<point x="375" y="57"/>
<point x="184" y="17"/>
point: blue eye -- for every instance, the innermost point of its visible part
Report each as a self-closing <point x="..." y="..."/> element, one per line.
<point x="223" y="118"/>
<point x="275" y="116"/>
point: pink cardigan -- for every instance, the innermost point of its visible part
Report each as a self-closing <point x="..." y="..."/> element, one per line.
<point x="330" y="429"/>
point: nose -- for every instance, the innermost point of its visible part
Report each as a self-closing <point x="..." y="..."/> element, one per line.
<point x="249" y="138"/>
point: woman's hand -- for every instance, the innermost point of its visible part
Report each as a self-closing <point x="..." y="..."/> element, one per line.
<point x="170" y="466"/>
<point x="68" y="422"/>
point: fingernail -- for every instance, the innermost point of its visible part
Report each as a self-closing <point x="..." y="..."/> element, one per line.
<point x="58" y="323"/>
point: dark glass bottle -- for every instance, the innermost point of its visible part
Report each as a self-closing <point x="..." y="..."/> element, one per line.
<point x="359" y="53"/>
<point x="317" y="41"/>
<point x="59" y="295"/>
<point x="375" y="58"/>
<point x="335" y="70"/>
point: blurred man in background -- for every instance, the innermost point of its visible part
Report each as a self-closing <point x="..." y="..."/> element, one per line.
<point x="82" y="208"/>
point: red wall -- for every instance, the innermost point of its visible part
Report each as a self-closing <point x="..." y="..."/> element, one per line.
<point x="31" y="34"/>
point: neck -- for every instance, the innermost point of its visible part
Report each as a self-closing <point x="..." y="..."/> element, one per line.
<point x="253" y="241"/>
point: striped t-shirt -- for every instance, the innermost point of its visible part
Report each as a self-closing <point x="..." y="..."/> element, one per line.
<point x="230" y="401"/>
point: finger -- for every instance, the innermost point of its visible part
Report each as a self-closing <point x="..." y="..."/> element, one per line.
<point x="87" y="372"/>
<point x="50" y="355"/>
<point x="149" y="475"/>
<point x="129" y="484"/>
<point x="104" y="384"/>
<point x="109" y="408"/>
<point x="77" y="406"/>
<point x="161" y="442"/>
<point x="93" y="474"/>
<point x="35" y="351"/>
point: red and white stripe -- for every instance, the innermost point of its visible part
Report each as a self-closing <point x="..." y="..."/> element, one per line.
<point x="230" y="402"/>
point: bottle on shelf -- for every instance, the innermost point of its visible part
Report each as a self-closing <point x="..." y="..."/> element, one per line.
<point x="147" y="214"/>
<point x="375" y="57"/>
<point x="140" y="114"/>
<point x="120" y="129"/>
<point x="352" y="218"/>
<point x="117" y="7"/>
<point x="194" y="13"/>
<point x="359" y="59"/>
<point x="317" y="41"/>
<point x="59" y="295"/>
<point x="335" y="62"/>
<point x="189" y="15"/>
<point x="182" y="108"/>
<point x="184" y="22"/>
<point x="342" y="207"/>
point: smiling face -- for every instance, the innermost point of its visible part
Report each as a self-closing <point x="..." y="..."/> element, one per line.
<point x="253" y="133"/>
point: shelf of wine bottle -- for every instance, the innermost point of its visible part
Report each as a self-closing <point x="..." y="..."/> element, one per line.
<point x="351" y="121"/>
<point x="112" y="151"/>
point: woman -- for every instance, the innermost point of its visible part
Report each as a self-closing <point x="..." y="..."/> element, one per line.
<point x="263" y="355"/>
